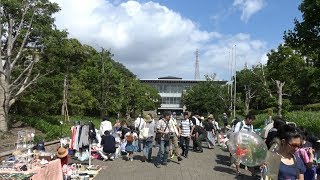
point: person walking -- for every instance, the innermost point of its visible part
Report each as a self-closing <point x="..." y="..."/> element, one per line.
<point x="163" y="128"/>
<point x="139" y="123"/>
<point x="148" y="141"/>
<point x="174" y="139"/>
<point x="245" y="125"/>
<point x="208" y="126"/>
<point x="199" y="134"/>
<point x="185" y="126"/>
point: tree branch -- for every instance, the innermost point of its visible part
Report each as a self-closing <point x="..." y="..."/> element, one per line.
<point x="27" y="69"/>
<point x="23" y="42"/>
<point x="21" y="23"/>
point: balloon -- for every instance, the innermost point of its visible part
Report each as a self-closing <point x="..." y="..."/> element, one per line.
<point x="248" y="148"/>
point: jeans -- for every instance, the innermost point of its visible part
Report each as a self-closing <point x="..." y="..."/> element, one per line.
<point x="139" y="145"/>
<point x="147" y="148"/>
<point x="163" y="152"/>
<point x="184" y="144"/>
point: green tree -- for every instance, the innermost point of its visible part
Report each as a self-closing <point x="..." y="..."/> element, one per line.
<point x="24" y="24"/>
<point x="206" y="97"/>
<point x="305" y="35"/>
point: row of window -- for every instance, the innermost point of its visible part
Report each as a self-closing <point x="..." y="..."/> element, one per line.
<point x="171" y="100"/>
<point x="168" y="88"/>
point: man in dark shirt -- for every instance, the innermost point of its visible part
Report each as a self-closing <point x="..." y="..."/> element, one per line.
<point x="200" y="134"/>
<point x="108" y="143"/>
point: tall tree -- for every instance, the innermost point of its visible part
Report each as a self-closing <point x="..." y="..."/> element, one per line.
<point x="24" y="24"/>
<point x="305" y="35"/>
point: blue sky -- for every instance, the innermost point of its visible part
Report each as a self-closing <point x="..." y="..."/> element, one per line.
<point x="158" y="38"/>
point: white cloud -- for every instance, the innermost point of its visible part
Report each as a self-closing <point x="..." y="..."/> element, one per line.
<point x="248" y="7"/>
<point x="152" y="40"/>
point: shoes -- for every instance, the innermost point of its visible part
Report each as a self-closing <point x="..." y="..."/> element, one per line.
<point x="131" y="159"/>
<point x="238" y="174"/>
<point x="164" y="164"/>
<point x="179" y="158"/>
<point x="143" y="159"/>
<point x="185" y="156"/>
<point x="157" y="165"/>
<point x="199" y="151"/>
<point x="149" y="160"/>
<point x="172" y="156"/>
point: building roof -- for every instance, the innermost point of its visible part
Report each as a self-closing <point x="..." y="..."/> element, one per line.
<point x="169" y="77"/>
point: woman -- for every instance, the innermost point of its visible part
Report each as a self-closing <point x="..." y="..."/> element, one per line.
<point x="131" y="146"/>
<point x="62" y="154"/>
<point x="147" y="143"/>
<point x="291" y="166"/>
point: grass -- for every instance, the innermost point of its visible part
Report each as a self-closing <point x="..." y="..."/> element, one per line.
<point x="307" y="119"/>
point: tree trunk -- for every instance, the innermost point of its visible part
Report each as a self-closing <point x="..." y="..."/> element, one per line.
<point x="280" y="94"/>
<point x="4" y="105"/>
<point x="247" y="104"/>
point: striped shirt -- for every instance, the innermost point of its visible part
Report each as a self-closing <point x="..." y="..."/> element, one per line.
<point x="185" y="126"/>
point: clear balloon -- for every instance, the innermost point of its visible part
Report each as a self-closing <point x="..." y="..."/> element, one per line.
<point x="248" y="148"/>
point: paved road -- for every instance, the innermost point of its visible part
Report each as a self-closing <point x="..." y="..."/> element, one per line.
<point x="211" y="164"/>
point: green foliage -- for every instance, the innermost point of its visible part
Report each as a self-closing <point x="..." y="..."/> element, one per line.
<point x="305" y="35"/>
<point x="206" y="97"/>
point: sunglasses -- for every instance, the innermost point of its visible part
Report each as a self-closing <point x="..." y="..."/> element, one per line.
<point x="294" y="145"/>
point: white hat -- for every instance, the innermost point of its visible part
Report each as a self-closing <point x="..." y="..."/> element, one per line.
<point x="318" y="141"/>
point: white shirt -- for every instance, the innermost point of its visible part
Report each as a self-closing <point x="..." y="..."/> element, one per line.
<point x="139" y="123"/>
<point x="244" y="127"/>
<point x="197" y="121"/>
<point x="105" y="126"/>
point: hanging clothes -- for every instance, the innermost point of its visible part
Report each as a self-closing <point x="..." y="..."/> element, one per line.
<point x="73" y="136"/>
<point x="84" y="136"/>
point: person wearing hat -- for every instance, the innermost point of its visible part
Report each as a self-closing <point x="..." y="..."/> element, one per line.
<point x="62" y="154"/>
<point x="148" y="140"/>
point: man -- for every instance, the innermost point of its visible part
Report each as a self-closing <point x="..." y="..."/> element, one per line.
<point x="225" y="120"/>
<point x="175" y="133"/>
<point x="128" y="120"/>
<point x="245" y="125"/>
<point x="209" y="127"/>
<point x="199" y="134"/>
<point x="139" y="124"/>
<point x="163" y="128"/>
<point x="185" y="126"/>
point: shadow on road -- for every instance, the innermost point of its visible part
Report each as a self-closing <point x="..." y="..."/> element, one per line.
<point x="223" y="160"/>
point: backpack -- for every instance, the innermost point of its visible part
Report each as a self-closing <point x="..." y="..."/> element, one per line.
<point x="129" y="138"/>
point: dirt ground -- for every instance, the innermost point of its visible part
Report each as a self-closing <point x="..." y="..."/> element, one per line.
<point x="8" y="140"/>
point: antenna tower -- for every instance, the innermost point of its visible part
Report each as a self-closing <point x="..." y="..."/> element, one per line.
<point x="196" y="72"/>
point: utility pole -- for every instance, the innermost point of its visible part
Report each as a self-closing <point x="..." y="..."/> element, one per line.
<point x="196" y="72"/>
<point x="235" y="82"/>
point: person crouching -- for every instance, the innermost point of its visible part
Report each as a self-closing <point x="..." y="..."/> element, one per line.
<point x="108" y="143"/>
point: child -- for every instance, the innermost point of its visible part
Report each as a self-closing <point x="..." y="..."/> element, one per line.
<point x="131" y="146"/>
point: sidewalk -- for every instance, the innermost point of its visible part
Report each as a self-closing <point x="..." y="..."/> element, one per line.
<point x="212" y="164"/>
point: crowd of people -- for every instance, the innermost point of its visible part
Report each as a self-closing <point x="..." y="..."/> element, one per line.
<point x="295" y="146"/>
<point x="172" y="137"/>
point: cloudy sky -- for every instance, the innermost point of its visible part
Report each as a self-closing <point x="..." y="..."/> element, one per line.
<point x="159" y="38"/>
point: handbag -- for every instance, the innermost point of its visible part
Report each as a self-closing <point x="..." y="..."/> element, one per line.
<point x="144" y="132"/>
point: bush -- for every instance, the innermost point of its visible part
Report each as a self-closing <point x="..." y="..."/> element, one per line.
<point x="50" y="125"/>
<point x="308" y="107"/>
<point x="308" y="119"/>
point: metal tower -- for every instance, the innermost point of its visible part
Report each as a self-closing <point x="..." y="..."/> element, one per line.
<point x="196" y="72"/>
